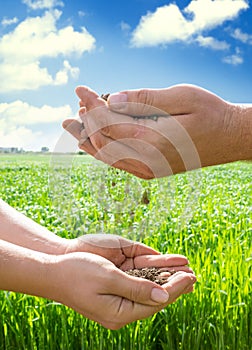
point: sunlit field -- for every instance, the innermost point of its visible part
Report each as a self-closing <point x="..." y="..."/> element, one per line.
<point x="205" y="215"/>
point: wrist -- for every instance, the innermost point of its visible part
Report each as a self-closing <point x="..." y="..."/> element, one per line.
<point x="238" y="129"/>
<point x="26" y="271"/>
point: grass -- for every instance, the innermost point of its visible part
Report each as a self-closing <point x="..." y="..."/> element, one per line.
<point x="205" y="215"/>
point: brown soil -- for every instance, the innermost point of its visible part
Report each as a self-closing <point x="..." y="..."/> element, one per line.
<point x="105" y="96"/>
<point x="145" y="197"/>
<point x="152" y="273"/>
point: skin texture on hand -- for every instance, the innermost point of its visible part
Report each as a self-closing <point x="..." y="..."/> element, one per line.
<point x="191" y="128"/>
<point x="18" y="229"/>
<point x="117" y="299"/>
<point x="127" y="254"/>
<point x="76" y="278"/>
<point x="34" y="261"/>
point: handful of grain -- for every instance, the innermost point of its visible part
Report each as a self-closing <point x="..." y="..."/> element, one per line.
<point x="157" y="275"/>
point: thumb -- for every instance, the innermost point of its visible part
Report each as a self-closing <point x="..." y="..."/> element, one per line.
<point x="139" y="290"/>
<point x="149" y="293"/>
<point x="172" y="100"/>
<point x="143" y="102"/>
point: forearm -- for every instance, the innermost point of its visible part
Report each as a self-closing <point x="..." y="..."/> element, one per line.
<point x="25" y="271"/>
<point x="20" y="230"/>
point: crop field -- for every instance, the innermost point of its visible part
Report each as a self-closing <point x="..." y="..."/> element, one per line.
<point x="205" y="215"/>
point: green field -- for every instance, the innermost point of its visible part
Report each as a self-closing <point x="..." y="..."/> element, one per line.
<point x="206" y="215"/>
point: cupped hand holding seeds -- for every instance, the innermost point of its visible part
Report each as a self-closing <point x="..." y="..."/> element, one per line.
<point x="98" y="287"/>
<point x="119" y="295"/>
<point x="87" y="274"/>
<point x="154" y="133"/>
<point x="126" y="254"/>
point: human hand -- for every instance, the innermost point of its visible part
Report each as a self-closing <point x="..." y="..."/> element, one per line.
<point x="126" y="254"/>
<point x="94" y="287"/>
<point x="195" y="128"/>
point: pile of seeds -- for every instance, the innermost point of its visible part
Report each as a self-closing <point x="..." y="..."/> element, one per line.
<point x="152" y="273"/>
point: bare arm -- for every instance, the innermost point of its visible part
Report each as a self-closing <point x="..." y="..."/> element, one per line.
<point x="16" y="228"/>
<point x="19" y="230"/>
<point x="114" y="294"/>
<point x="24" y="270"/>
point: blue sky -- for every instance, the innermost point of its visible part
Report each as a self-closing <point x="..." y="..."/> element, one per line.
<point x="47" y="47"/>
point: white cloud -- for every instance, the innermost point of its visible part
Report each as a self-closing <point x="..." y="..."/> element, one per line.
<point x="28" y="139"/>
<point x="212" y="43"/>
<point x="243" y="37"/>
<point x="42" y="4"/>
<point x="30" y="127"/>
<point x="31" y="76"/>
<point x="20" y="137"/>
<point x="26" y="76"/>
<point x="234" y="59"/>
<point x="81" y="13"/>
<point x="125" y="27"/>
<point x="165" y="25"/>
<point x="36" y="38"/>
<point x="208" y="14"/>
<point x="168" y="23"/>
<point x="8" y="21"/>
<point x="20" y="113"/>
<point x="62" y="75"/>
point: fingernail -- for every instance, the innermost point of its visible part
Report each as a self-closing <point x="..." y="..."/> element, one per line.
<point x="194" y="279"/>
<point x="65" y="124"/>
<point x="118" y="98"/>
<point x="159" y="295"/>
<point x="82" y="112"/>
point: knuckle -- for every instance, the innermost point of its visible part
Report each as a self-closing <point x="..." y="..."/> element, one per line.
<point x="146" y="100"/>
<point x="143" y="96"/>
<point x="138" y="293"/>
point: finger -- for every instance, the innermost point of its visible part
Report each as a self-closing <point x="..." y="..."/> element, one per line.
<point x="140" y="154"/>
<point x="82" y="113"/>
<point x="184" y="268"/>
<point x="131" y="249"/>
<point x="180" y="283"/>
<point x="124" y="155"/>
<point x="189" y="289"/>
<point x="115" y="159"/>
<point x="84" y="142"/>
<point x="94" y="121"/>
<point x="165" y="260"/>
<point x="150" y="139"/>
<point x="129" y="312"/>
<point x="89" y="98"/>
<point x="98" y="119"/>
<point x="74" y="127"/>
<point x="86" y="146"/>
<point x="145" y="136"/>
<point x="172" y="100"/>
<point x="133" y="166"/>
<point x="98" y="123"/>
<point x="91" y="101"/>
